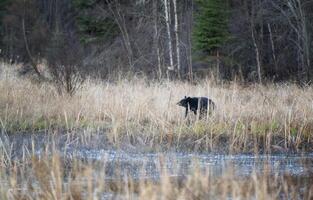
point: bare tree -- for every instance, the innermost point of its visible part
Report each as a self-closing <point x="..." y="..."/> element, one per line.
<point x="64" y="56"/>
<point x="64" y="53"/>
<point x="256" y="47"/>
<point x="177" y="39"/>
<point x="31" y="58"/>
<point x="190" y="70"/>
<point x="272" y="46"/>
<point x="119" y="18"/>
<point x="257" y="55"/>
<point x="293" y="11"/>
<point x="156" y="37"/>
<point x="168" y="28"/>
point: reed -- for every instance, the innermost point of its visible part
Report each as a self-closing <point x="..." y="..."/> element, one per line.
<point x="52" y="177"/>
<point x="272" y="117"/>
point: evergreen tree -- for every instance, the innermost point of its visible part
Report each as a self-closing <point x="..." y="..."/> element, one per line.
<point x="210" y="31"/>
<point x="91" y="25"/>
<point x="3" y="7"/>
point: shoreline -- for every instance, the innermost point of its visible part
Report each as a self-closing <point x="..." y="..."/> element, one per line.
<point x="99" y="139"/>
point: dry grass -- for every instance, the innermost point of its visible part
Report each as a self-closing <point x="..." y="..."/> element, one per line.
<point x="271" y="117"/>
<point x="48" y="177"/>
<point x="254" y="118"/>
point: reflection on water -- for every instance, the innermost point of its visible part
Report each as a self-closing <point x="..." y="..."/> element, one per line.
<point x="140" y="164"/>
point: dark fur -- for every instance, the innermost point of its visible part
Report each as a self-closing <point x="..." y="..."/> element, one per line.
<point x="192" y="103"/>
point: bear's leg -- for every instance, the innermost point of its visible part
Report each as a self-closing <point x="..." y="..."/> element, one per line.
<point x="203" y="114"/>
<point x="186" y="113"/>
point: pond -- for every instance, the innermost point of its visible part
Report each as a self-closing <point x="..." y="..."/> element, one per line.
<point x="134" y="162"/>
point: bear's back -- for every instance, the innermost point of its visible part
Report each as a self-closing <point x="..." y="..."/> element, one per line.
<point x="195" y="101"/>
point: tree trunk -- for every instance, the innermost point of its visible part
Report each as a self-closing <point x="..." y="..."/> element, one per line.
<point x="156" y="37"/>
<point x="306" y="41"/>
<point x="273" y="48"/>
<point x="218" y="65"/>
<point x="167" y="20"/>
<point x="257" y="55"/>
<point x="120" y="21"/>
<point x="190" y="70"/>
<point x="296" y="18"/>
<point x="32" y="60"/>
<point x="254" y="41"/>
<point x="177" y="40"/>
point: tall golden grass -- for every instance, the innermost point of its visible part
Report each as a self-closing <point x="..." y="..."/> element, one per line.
<point x="256" y="117"/>
<point x="247" y="118"/>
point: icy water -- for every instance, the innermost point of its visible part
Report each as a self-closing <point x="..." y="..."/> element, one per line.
<point x="134" y="162"/>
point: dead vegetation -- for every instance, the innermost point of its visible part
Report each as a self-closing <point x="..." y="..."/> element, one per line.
<point x="247" y="118"/>
<point x="47" y="177"/>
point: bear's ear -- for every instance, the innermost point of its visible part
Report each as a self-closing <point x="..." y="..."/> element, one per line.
<point x="185" y="97"/>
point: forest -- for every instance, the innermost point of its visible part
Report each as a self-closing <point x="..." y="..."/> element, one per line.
<point x="245" y="40"/>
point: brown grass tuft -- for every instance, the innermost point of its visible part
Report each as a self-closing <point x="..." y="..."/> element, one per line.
<point x="275" y="117"/>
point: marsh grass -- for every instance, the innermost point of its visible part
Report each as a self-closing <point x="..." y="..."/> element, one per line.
<point x="273" y="117"/>
<point x="137" y="112"/>
<point x="50" y="177"/>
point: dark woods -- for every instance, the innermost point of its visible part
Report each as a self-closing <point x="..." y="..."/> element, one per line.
<point x="246" y="40"/>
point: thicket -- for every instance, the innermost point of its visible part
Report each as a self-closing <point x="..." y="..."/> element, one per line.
<point x="253" y="40"/>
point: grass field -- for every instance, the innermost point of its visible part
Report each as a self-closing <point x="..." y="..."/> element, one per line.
<point x="273" y="117"/>
<point x="254" y="118"/>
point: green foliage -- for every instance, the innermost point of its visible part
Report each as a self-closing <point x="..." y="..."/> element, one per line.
<point x="3" y="10"/>
<point x="3" y="4"/>
<point x="210" y="31"/>
<point x="56" y="48"/>
<point x="93" y="27"/>
<point x="3" y="7"/>
<point x="83" y="4"/>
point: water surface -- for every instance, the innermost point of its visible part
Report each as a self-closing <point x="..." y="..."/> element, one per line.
<point x="135" y="162"/>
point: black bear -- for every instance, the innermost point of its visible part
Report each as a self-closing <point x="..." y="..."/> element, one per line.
<point x="192" y="103"/>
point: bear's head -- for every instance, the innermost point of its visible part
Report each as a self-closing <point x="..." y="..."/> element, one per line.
<point x="184" y="102"/>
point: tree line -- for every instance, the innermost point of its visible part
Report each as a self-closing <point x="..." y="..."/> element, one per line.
<point x="247" y="40"/>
